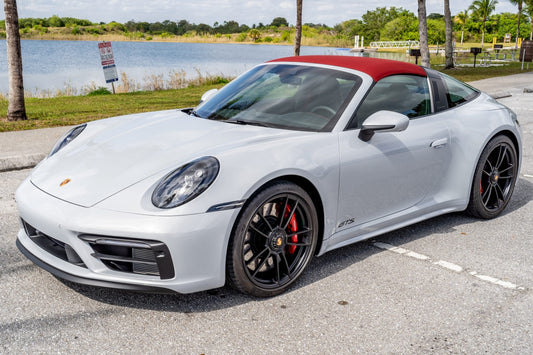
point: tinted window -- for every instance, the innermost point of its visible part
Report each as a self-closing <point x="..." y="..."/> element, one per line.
<point x="284" y="96"/>
<point x="406" y="94"/>
<point x="457" y="92"/>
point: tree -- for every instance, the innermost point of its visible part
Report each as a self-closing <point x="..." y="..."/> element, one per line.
<point x="402" y="28"/>
<point x="423" y="34"/>
<point x="374" y="21"/>
<point x="483" y="8"/>
<point x="16" y="109"/>
<point x="529" y="12"/>
<point x="518" y="3"/>
<point x="254" y="34"/>
<point x="448" y="46"/>
<point x="298" y="35"/>
<point x="279" y="21"/>
<point x="435" y="16"/>
<point x="461" y="18"/>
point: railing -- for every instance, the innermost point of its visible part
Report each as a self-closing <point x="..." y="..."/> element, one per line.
<point x="394" y="44"/>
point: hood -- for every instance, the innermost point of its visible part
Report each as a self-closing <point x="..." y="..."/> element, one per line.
<point x="113" y="154"/>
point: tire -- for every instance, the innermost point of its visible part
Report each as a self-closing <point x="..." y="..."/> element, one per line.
<point x="494" y="179"/>
<point x="273" y="240"/>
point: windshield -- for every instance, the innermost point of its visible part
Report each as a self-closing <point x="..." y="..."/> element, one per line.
<point x="284" y="96"/>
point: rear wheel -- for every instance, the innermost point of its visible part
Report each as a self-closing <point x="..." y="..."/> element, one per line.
<point x="273" y="241"/>
<point x="494" y="179"/>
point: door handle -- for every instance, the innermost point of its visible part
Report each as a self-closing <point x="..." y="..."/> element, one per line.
<point x="439" y="143"/>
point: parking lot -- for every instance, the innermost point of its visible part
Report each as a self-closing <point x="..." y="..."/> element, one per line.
<point x="452" y="284"/>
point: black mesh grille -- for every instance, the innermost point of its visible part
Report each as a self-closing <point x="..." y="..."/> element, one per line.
<point x="147" y="257"/>
<point x="55" y="247"/>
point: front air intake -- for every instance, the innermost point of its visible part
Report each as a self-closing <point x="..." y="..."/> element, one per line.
<point x="53" y="246"/>
<point x="137" y="256"/>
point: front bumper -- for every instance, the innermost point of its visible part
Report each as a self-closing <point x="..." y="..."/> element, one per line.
<point x="196" y="243"/>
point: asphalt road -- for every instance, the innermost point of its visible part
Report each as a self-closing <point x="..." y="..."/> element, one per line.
<point x="458" y="285"/>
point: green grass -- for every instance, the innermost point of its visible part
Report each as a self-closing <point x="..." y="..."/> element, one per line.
<point x="71" y="110"/>
<point x="479" y="72"/>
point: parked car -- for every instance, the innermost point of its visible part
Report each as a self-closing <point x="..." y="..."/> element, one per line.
<point x="294" y="158"/>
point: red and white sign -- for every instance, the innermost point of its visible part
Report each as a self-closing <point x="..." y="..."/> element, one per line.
<point x="106" y="53"/>
<point x="108" y="62"/>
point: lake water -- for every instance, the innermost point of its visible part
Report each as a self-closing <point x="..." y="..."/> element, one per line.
<point x="52" y="65"/>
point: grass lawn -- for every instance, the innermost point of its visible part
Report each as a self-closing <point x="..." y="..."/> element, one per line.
<point x="71" y="110"/>
<point x="479" y="72"/>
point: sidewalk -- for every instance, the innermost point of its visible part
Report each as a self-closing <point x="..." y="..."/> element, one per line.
<point x="24" y="149"/>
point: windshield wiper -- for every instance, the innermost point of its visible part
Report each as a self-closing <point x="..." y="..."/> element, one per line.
<point x="250" y="123"/>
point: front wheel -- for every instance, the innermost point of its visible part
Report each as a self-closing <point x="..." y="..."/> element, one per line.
<point x="494" y="179"/>
<point x="273" y="241"/>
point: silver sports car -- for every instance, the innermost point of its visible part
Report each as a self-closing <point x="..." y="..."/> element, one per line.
<point x="294" y="158"/>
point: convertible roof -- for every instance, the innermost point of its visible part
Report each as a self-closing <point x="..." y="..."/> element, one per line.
<point x="375" y="67"/>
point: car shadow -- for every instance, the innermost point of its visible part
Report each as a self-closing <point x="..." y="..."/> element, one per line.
<point x="320" y="268"/>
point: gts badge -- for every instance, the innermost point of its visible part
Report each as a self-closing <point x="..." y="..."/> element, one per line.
<point x="347" y="222"/>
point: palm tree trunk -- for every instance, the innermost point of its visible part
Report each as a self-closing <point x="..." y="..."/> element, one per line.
<point x="16" y="109"/>
<point x="298" y="36"/>
<point x="482" y="33"/>
<point x="518" y="26"/>
<point x="448" y="47"/>
<point x="423" y="34"/>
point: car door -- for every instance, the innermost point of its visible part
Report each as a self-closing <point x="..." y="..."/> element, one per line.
<point x="393" y="171"/>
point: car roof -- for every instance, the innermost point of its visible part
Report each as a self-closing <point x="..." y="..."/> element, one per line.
<point x="375" y="67"/>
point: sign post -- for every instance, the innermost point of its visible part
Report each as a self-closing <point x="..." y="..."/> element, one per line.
<point x="108" y="63"/>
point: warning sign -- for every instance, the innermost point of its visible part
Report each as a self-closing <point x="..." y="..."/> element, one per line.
<point x="108" y="62"/>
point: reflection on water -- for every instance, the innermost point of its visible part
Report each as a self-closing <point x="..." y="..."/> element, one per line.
<point x="53" y="65"/>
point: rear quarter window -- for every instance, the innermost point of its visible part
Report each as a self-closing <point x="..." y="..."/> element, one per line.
<point x="458" y="92"/>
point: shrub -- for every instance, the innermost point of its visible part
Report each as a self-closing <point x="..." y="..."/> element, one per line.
<point x="99" y="91"/>
<point x="241" y="37"/>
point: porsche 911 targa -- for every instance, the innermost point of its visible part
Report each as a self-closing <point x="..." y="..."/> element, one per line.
<point x="294" y="158"/>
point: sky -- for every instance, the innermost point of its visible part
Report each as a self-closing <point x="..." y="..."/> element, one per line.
<point x="247" y="12"/>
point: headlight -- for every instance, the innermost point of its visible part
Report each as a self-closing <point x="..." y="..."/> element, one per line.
<point x="185" y="183"/>
<point x="67" y="138"/>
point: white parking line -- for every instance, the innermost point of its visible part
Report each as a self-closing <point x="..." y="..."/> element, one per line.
<point x="447" y="265"/>
<point x="529" y="176"/>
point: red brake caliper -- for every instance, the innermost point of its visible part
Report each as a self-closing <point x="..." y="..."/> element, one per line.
<point x="292" y="228"/>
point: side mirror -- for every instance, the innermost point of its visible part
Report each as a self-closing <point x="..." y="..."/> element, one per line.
<point x="208" y="95"/>
<point x="383" y="121"/>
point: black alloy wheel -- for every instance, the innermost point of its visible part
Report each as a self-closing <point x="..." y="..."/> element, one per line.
<point x="494" y="179"/>
<point x="274" y="240"/>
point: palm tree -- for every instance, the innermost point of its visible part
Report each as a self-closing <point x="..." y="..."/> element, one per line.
<point x="448" y="45"/>
<point x="483" y="8"/>
<point x="16" y="109"/>
<point x="423" y="34"/>
<point x="462" y="17"/>
<point x="529" y="11"/>
<point x="518" y="3"/>
<point x="298" y="36"/>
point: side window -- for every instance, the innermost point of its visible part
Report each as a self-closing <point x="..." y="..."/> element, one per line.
<point x="457" y="92"/>
<point x="406" y="94"/>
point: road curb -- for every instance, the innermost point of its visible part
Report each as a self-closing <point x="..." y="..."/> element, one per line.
<point x="20" y="162"/>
